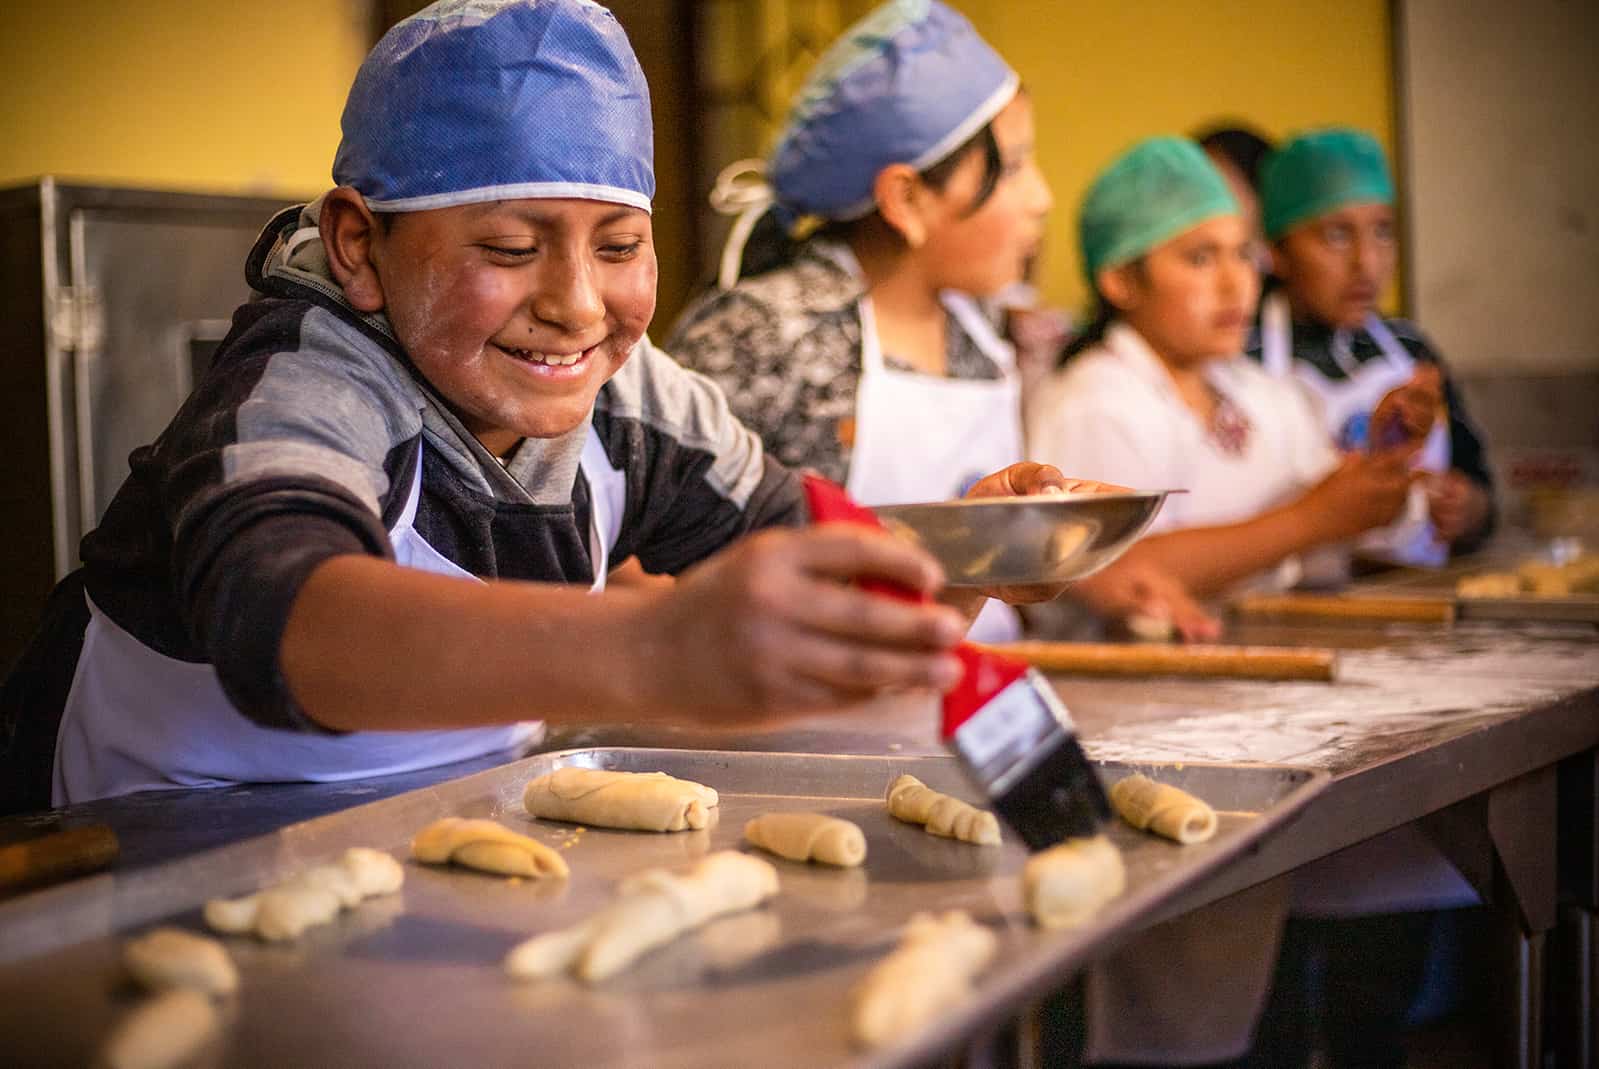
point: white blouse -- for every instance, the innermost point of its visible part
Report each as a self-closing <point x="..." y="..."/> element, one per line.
<point x="1114" y="414"/>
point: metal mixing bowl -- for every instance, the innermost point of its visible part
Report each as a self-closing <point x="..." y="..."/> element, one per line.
<point x="1016" y="541"/>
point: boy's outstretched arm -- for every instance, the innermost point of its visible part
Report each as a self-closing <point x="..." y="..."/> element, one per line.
<point x="770" y="627"/>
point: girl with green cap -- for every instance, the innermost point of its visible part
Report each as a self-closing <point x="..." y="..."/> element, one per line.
<point x="1158" y="396"/>
<point x="1328" y="210"/>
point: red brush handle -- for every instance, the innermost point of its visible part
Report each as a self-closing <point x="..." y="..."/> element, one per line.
<point x="985" y="675"/>
<point x="831" y="503"/>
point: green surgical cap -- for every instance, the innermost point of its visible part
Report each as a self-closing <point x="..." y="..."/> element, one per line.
<point x="1320" y="172"/>
<point x="1153" y="192"/>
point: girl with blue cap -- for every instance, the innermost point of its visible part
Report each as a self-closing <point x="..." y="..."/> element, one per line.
<point x="1159" y="392"/>
<point x="445" y="378"/>
<point x="845" y="330"/>
<point x="1328" y="211"/>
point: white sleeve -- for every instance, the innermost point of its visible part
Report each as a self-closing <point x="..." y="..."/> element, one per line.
<point x="1090" y="436"/>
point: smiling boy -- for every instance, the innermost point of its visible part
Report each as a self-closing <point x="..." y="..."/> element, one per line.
<point x="445" y="378"/>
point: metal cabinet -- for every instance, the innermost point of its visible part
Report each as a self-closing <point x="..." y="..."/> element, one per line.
<point x="113" y="302"/>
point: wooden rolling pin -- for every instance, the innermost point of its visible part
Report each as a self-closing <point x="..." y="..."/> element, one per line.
<point x="1348" y="607"/>
<point x="56" y="856"/>
<point x="1237" y="662"/>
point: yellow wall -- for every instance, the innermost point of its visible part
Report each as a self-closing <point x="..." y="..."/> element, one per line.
<point x="1104" y="75"/>
<point x="178" y="94"/>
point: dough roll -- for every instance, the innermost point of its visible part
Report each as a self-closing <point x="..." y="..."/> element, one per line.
<point x="171" y="957"/>
<point x="911" y="800"/>
<point x="653" y="908"/>
<point x="164" y="1032"/>
<point x="488" y="847"/>
<point x="642" y="801"/>
<point x="315" y="896"/>
<point x="1067" y="884"/>
<point x="808" y="837"/>
<point x="930" y="972"/>
<point x="1163" y="809"/>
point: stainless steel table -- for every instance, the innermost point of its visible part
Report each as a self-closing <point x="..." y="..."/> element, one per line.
<point x="1463" y="728"/>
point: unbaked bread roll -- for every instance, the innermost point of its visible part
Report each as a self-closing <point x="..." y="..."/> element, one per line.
<point x="486" y="846"/>
<point x="808" y="837"/>
<point x="930" y="972"/>
<point x="1489" y="585"/>
<point x="653" y="908"/>
<point x="643" y="801"/>
<point x="163" y="958"/>
<point x="1163" y="809"/>
<point x="315" y="896"/>
<point x="911" y="800"/>
<point x="1067" y="884"/>
<point x="161" y="1033"/>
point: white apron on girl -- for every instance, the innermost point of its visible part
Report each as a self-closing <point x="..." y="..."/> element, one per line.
<point x="928" y="438"/>
<point x="137" y="720"/>
<point x="1411" y="539"/>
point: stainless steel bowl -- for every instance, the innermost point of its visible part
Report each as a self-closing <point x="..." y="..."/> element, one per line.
<point x="1046" y="538"/>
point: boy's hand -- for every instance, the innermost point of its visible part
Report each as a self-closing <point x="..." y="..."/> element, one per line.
<point x="1456" y="505"/>
<point x="1020" y="480"/>
<point x="775" y="626"/>
<point x="1407" y="413"/>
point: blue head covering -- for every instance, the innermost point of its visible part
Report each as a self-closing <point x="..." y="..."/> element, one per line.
<point x="478" y="100"/>
<point x="909" y="83"/>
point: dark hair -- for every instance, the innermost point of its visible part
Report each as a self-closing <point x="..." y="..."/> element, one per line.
<point x="770" y="247"/>
<point x="1239" y="145"/>
<point x="1104" y="315"/>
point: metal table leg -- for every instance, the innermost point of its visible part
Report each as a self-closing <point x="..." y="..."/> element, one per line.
<point x="1574" y="1002"/>
<point x="1523" y="831"/>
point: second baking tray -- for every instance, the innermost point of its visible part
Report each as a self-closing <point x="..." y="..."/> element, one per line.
<point x="415" y="979"/>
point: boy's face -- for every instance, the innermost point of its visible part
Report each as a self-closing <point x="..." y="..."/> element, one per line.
<point x="518" y="311"/>
<point x="1336" y="265"/>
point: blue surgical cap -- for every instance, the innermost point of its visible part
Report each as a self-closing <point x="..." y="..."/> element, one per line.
<point x="909" y="83"/>
<point x="478" y="100"/>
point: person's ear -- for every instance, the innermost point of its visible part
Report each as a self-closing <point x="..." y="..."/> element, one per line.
<point x="901" y="202"/>
<point x="1119" y="285"/>
<point x="349" y="231"/>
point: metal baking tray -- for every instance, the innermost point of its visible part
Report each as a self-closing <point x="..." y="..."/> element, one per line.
<point x="414" y="979"/>
<point x="1568" y="608"/>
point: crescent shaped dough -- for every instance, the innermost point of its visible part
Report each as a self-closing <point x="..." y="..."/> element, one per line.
<point x="930" y="972"/>
<point x="653" y="908"/>
<point x="642" y="801"/>
<point x="171" y="957"/>
<point x="808" y="837"/>
<point x="1163" y="809"/>
<point x="315" y="896"/>
<point x="486" y="846"/>
<point x="1066" y="884"/>
<point x="911" y="800"/>
<point x="162" y="1033"/>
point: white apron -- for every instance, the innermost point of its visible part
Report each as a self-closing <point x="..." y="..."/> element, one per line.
<point x="137" y="720"/>
<point x="1410" y="539"/>
<point x="928" y="438"/>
